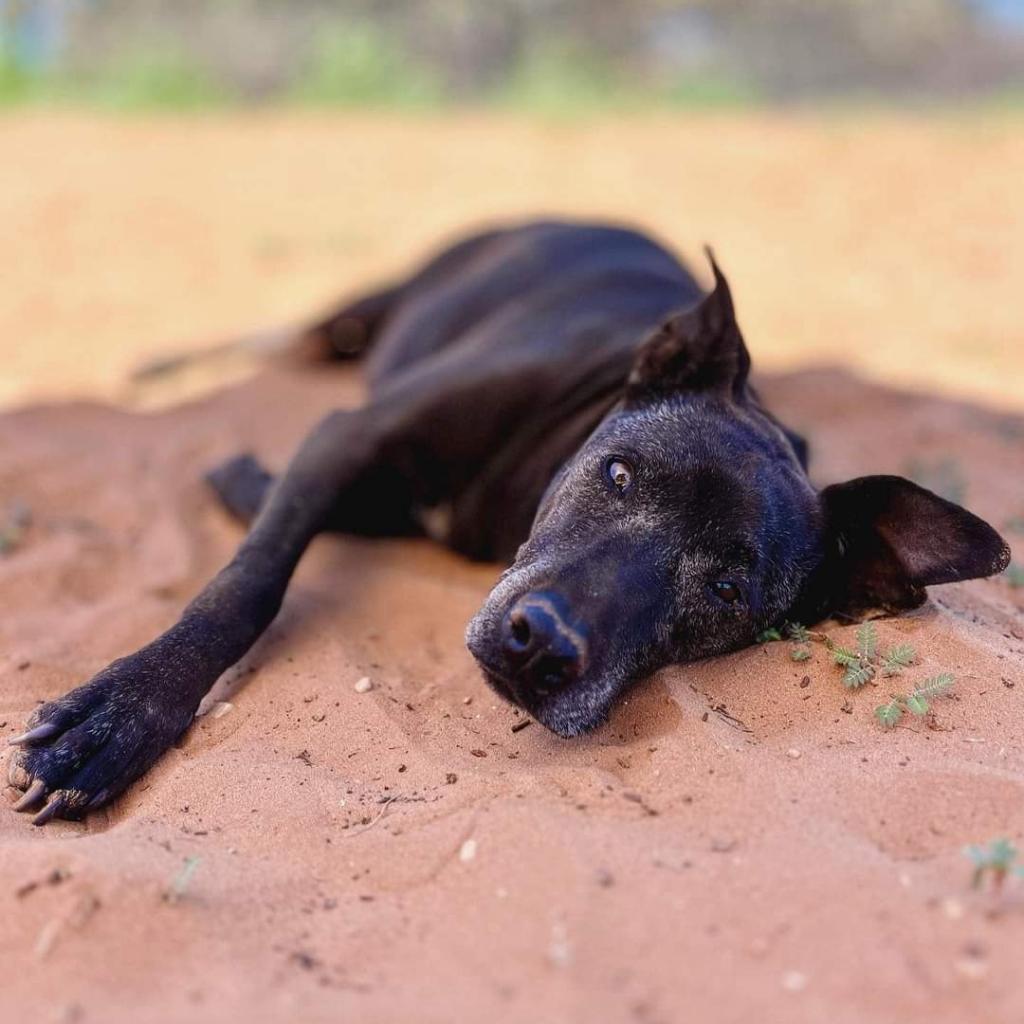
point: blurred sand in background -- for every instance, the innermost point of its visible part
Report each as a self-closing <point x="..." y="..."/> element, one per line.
<point x="890" y="244"/>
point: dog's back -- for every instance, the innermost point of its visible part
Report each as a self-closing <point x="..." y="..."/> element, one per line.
<point x="541" y="283"/>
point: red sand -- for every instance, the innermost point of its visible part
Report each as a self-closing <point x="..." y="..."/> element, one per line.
<point x="737" y="845"/>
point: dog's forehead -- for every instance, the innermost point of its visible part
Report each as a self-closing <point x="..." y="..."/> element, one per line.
<point x="693" y="447"/>
<point x="695" y="428"/>
<point x="712" y="475"/>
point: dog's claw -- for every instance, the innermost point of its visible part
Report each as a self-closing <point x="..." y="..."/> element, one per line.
<point x="98" y="800"/>
<point x="36" y="735"/>
<point x="81" y="750"/>
<point x="53" y="808"/>
<point x="31" y="796"/>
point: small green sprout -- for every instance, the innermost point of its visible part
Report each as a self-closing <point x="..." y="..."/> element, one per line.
<point x="1014" y="575"/>
<point x="917" y="702"/>
<point x="15" y="521"/>
<point x="798" y="634"/>
<point x="179" y="886"/>
<point x="858" y="675"/>
<point x="863" y="662"/>
<point x="890" y="713"/>
<point x="897" y="658"/>
<point x="998" y="859"/>
<point x="844" y="656"/>
<point x="867" y="641"/>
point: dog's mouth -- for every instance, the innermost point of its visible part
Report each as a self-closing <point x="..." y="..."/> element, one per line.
<point x="562" y="718"/>
<point x="500" y="684"/>
<point x="560" y="711"/>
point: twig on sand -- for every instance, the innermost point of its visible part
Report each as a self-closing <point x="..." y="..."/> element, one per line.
<point x="366" y="828"/>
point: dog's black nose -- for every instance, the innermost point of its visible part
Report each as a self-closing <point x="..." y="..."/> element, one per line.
<point x="541" y="646"/>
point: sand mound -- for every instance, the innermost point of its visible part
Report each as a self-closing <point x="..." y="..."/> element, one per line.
<point x="741" y="843"/>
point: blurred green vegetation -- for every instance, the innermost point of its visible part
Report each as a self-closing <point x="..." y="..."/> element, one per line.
<point x="359" y="66"/>
<point x="149" y="78"/>
<point x="558" y="57"/>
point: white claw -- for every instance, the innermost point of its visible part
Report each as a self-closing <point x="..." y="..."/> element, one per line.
<point x="55" y="805"/>
<point x="31" y="796"/>
<point x="40" y="732"/>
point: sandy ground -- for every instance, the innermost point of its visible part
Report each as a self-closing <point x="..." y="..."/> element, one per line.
<point x="738" y="844"/>
<point x="742" y="842"/>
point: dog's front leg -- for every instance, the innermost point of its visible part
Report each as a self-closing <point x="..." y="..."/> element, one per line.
<point x="83" y="749"/>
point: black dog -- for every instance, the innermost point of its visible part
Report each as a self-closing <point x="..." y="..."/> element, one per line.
<point x="521" y="378"/>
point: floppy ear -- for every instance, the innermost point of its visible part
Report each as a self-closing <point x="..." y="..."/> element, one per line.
<point x="886" y="539"/>
<point x="699" y="350"/>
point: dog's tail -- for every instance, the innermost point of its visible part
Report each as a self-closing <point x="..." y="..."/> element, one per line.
<point x="346" y="332"/>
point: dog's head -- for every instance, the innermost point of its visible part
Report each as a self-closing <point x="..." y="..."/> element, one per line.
<point x="686" y="525"/>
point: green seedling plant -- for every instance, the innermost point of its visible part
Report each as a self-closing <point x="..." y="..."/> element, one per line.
<point x="182" y="880"/>
<point x="917" y="702"/>
<point x="997" y="861"/>
<point x="863" y="663"/>
<point x="800" y="635"/>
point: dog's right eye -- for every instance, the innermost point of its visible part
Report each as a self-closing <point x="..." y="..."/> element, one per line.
<point x="620" y="474"/>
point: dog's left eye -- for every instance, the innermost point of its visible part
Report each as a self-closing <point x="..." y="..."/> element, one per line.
<point x="620" y="473"/>
<point x="727" y="591"/>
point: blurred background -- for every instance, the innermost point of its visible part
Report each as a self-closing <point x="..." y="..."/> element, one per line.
<point x="178" y="173"/>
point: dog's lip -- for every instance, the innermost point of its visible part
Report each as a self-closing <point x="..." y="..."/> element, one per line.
<point x="500" y="682"/>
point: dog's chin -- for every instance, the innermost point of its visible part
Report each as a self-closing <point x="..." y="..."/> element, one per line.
<point x="500" y="687"/>
<point x="566" y="721"/>
<point x="562" y="714"/>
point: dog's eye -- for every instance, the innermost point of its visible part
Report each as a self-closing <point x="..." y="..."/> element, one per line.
<point x="620" y="473"/>
<point x="727" y="591"/>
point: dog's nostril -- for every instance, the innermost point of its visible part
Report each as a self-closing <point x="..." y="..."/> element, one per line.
<point x="519" y="628"/>
<point x="541" y="649"/>
<point x="518" y="635"/>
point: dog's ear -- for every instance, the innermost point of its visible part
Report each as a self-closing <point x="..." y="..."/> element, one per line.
<point x="699" y="350"/>
<point x="886" y="539"/>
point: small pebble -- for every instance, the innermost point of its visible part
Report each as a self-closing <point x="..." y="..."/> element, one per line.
<point x="794" y="981"/>
<point x="467" y="851"/>
<point x="364" y="685"/>
<point x="221" y="708"/>
<point x="793" y="753"/>
<point x="559" y="951"/>
<point x="973" y="966"/>
<point x="952" y="908"/>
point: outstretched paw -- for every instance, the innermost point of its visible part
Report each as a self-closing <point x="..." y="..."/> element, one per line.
<point x="82" y="750"/>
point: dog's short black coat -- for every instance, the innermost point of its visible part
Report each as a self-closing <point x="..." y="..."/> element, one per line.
<point x="562" y="397"/>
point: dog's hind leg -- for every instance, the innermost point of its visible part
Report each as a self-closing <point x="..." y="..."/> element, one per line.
<point x="83" y="749"/>
<point x="384" y="508"/>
